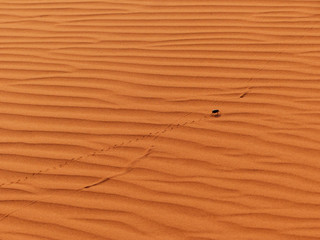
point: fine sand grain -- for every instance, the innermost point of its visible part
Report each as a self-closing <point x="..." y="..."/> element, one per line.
<point x="105" y="125"/>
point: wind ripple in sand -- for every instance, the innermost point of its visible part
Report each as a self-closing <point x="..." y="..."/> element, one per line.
<point x="90" y="94"/>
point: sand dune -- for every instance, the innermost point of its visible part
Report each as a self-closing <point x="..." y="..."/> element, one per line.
<point x="105" y="125"/>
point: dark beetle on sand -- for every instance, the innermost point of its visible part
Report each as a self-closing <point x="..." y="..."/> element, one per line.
<point x="215" y="112"/>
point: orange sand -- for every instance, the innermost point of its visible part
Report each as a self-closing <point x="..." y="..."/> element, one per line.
<point x="105" y="120"/>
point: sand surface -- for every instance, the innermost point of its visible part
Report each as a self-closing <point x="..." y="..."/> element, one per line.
<point x="105" y="126"/>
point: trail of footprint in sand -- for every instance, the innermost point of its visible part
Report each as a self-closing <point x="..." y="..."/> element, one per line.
<point x="126" y="170"/>
<point x="249" y="87"/>
<point x="74" y="160"/>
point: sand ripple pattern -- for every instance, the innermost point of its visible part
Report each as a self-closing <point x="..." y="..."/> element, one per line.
<point x="105" y="126"/>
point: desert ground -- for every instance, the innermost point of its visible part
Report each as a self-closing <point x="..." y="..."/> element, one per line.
<point x="106" y="131"/>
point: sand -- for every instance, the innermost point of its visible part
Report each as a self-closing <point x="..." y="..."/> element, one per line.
<point x="105" y="124"/>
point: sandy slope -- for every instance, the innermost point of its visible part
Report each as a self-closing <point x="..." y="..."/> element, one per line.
<point x="105" y="124"/>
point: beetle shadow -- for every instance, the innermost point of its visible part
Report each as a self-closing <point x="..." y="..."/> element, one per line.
<point x="216" y="115"/>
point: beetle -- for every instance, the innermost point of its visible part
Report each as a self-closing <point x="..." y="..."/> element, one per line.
<point x="216" y="112"/>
